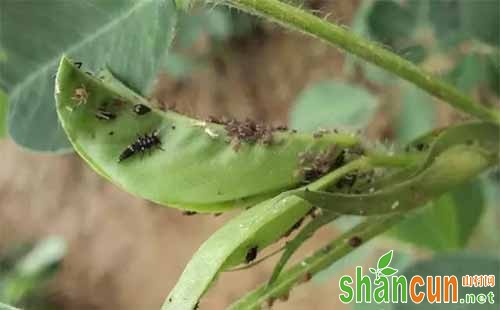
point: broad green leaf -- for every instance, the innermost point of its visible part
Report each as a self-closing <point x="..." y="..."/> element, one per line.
<point x="446" y="223"/>
<point x="193" y="164"/>
<point x="446" y="21"/>
<point x="216" y="23"/>
<point x="418" y="114"/>
<point x="4" y="108"/>
<point x="459" y="265"/>
<point x="385" y="260"/>
<point x="390" y="22"/>
<point x="469" y="72"/>
<point x="328" y="104"/>
<point x="129" y="37"/>
<point x="256" y="227"/>
<point x="481" y="19"/>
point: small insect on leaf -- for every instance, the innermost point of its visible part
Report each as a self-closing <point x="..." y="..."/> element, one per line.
<point x="251" y="254"/>
<point x="141" y="145"/>
<point x="355" y="241"/>
<point x="141" y="109"/>
<point x="102" y="114"/>
<point x="80" y="95"/>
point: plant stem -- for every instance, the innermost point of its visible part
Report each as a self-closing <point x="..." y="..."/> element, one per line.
<point x="318" y="261"/>
<point x="296" y="18"/>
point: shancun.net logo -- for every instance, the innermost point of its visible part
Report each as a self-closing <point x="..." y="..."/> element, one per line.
<point x="388" y="287"/>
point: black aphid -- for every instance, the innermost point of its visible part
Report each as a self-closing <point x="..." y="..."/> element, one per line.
<point x="141" y="109"/>
<point x="78" y="64"/>
<point x="251" y="254"/>
<point x="355" y="241"/>
<point x="141" y="145"/>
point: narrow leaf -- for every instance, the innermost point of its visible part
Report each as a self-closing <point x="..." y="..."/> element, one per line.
<point x="304" y="235"/>
<point x="257" y="227"/>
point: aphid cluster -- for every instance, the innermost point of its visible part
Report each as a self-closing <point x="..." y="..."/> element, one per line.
<point x="142" y="144"/>
<point x="315" y="165"/>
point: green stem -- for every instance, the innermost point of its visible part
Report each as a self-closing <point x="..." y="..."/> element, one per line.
<point x="318" y="261"/>
<point x="296" y="18"/>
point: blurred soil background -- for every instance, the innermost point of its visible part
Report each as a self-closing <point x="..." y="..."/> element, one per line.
<point x="126" y="253"/>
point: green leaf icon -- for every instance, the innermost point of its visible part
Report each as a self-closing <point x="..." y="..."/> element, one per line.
<point x="385" y="260"/>
<point x="372" y="270"/>
<point x="388" y="271"/>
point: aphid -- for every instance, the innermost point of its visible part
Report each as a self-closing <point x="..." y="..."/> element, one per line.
<point x="105" y="115"/>
<point x="78" y="64"/>
<point x="307" y="277"/>
<point x="347" y="180"/>
<point x="355" y="241"/>
<point x="111" y="133"/>
<point x="421" y="146"/>
<point x="251" y="254"/>
<point x="285" y="296"/>
<point x="270" y="301"/>
<point x="141" y="145"/>
<point x="80" y="95"/>
<point x="141" y="109"/>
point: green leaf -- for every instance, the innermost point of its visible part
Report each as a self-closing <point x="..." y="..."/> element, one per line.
<point x="372" y="270"/>
<point x="173" y="170"/>
<point x="4" y="108"/>
<point x="418" y="113"/>
<point x="448" y="222"/>
<point x="447" y="23"/>
<point x="129" y="37"/>
<point x="390" y="22"/>
<point x="385" y="260"/>
<point x="306" y="233"/>
<point x="256" y="227"/>
<point x="469" y="72"/>
<point x="458" y="264"/>
<point x="328" y="104"/>
<point x="481" y="19"/>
